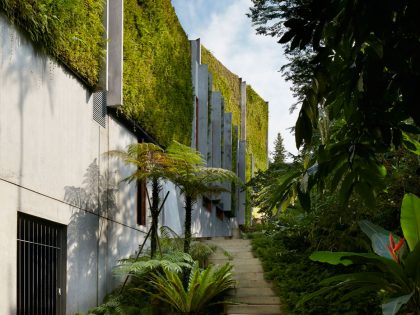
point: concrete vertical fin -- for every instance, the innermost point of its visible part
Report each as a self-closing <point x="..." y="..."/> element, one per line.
<point x="195" y="61"/>
<point x="242" y="176"/>
<point x="203" y="97"/>
<point x="216" y="123"/>
<point x="115" y="52"/>
<point x="227" y="158"/>
<point x="210" y="127"/>
<point x="243" y="110"/>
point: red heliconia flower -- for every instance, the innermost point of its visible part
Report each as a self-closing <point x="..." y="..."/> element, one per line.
<point x="394" y="248"/>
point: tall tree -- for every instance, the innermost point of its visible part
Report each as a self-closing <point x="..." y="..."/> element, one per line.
<point x="279" y="154"/>
<point x="363" y="72"/>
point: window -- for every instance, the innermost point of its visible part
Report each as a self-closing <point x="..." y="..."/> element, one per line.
<point x="41" y="266"/>
<point x="141" y="202"/>
<point x="207" y="203"/>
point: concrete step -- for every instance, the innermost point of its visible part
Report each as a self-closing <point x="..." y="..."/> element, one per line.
<point x="253" y="309"/>
<point x="245" y="268"/>
<point x="243" y="292"/>
<point x="239" y="255"/>
<point x="258" y="300"/>
<point x="250" y="276"/>
<point x="239" y="260"/>
<point x="260" y="283"/>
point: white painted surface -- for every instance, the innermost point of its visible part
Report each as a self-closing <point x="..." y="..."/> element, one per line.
<point x="52" y="166"/>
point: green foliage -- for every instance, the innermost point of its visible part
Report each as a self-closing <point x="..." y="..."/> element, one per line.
<point x="205" y="288"/>
<point x="396" y="275"/>
<point x="195" y="180"/>
<point x="226" y="82"/>
<point x="256" y="128"/>
<point x="174" y="261"/>
<point x="284" y="254"/>
<point x="279" y="154"/>
<point x="172" y="242"/>
<point x="157" y="71"/>
<point x="69" y="30"/>
<point x="362" y="76"/>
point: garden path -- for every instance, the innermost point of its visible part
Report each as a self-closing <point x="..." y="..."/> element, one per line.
<point x="253" y="293"/>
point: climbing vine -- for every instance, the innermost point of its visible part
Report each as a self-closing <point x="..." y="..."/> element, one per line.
<point x="157" y="83"/>
<point x="69" y="30"/>
<point x="256" y="129"/>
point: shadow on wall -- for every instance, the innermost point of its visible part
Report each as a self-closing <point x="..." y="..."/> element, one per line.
<point x="87" y="239"/>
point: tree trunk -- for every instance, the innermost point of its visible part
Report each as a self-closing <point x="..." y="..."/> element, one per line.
<point x="187" y="224"/>
<point x="154" y="210"/>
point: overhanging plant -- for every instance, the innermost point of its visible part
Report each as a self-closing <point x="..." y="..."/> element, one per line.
<point x="396" y="262"/>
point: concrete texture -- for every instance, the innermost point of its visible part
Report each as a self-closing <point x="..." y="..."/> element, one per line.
<point x="115" y="51"/>
<point x="252" y="292"/>
<point x="195" y="61"/>
<point x="203" y="98"/>
<point x="243" y="110"/>
<point x="216" y="123"/>
<point x="227" y="158"/>
<point x="242" y="175"/>
<point x="52" y="166"/>
<point x="210" y="126"/>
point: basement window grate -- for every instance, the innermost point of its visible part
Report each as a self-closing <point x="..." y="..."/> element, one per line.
<point x="41" y="266"/>
<point x="99" y="108"/>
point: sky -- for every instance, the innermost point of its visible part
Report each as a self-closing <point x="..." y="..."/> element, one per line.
<point x="228" y="33"/>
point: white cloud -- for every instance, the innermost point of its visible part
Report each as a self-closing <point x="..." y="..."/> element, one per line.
<point x="229" y="35"/>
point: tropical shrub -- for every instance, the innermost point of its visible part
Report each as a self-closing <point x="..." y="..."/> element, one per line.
<point x="284" y="250"/>
<point x="396" y="263"/>
<point x="204" y="289"/>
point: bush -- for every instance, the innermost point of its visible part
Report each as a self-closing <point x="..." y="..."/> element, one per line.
<point x="284" y="253"/>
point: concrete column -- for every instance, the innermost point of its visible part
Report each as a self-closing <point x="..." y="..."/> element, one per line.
<point x="115" y="52"/>
<point x="243" y="110"/>
<point x="195" y="61"/>
<point x="210" y="127"/>
<point x="242" y="176"/>
<point x="216" y="123"/>
<point x="266" y="137"/>
<point x="227" y="158"/>
<point x="203" y="97"/>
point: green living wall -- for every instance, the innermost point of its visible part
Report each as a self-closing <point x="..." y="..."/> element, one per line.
<point x="228" y="84"/>
<point x="157" y="83"/>
<point x="256" y="129"/>
<point x="69" y="30"/>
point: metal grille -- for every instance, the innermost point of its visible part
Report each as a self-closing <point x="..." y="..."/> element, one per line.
<point x="99" y="107"/>
<point x="41" y="252"/>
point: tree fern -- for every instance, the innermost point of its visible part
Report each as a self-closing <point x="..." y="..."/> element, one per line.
<point x="140" y="267"/>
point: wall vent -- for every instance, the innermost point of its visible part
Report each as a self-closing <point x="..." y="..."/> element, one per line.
<point x="99" y="108"/>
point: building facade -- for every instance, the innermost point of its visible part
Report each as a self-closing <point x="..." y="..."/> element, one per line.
<point x="66" y="216"/>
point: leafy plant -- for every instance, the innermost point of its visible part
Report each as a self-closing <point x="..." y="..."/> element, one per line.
<point x="194" y="180"/>
<point x="205" y="288"/>
<point x="69" y="30"/>
<point x="398" y="275"/>
<point x="151" y="163"/>
<point x="172" y="242"/>
<point x="157" y="83"/>
<point x="142" y="266"/>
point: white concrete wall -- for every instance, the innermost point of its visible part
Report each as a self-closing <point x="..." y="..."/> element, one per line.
<point x="52" y="166"/>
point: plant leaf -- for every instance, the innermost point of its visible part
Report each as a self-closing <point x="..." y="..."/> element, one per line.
<point x="410" y="219"/>
<point x="379" y="237"/>
<point x="395" y="304"/>
<point x="333" y="258"/>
